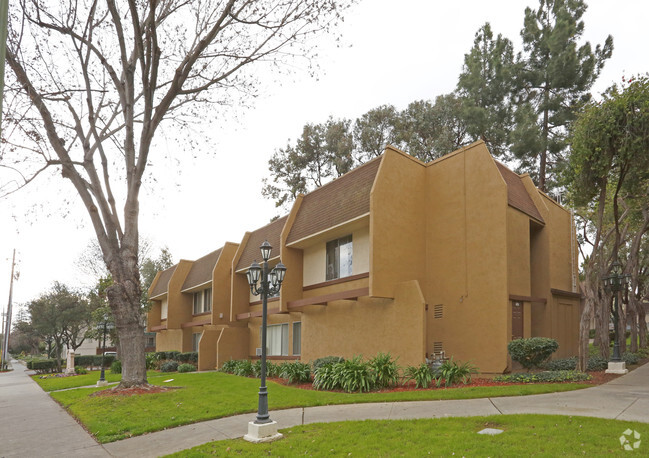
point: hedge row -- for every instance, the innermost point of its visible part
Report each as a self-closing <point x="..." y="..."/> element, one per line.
<point x="93" y="360"/>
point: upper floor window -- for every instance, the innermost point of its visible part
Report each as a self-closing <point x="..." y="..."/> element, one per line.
<point x="339" y="258"/>
<point x="203" y="301"/>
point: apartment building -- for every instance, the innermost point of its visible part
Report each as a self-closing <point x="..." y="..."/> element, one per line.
<point x="459" y="255"/>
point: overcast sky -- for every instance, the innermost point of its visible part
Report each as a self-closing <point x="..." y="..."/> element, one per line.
<point x="392" y="53"/>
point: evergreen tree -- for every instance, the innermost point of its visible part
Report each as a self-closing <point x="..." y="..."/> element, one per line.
<point x="555" y="78"/>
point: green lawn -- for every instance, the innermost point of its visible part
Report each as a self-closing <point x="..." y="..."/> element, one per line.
<point x="524" y="435"/>
<point x="51" y="382"/>
<point x="210" y="395"/>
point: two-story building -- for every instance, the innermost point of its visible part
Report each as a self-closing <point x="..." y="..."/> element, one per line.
<point x="459" y="255"/>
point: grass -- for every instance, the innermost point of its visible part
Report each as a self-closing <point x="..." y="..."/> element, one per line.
<point x="212" y="395"/>
<point x="524" y="435"/>
<point x="51" y="383"/>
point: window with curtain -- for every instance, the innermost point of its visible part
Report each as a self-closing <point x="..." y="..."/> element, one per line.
<point x="276" y="339"/>
<point x="297" y="338"/>
<point x="339" y="258"/>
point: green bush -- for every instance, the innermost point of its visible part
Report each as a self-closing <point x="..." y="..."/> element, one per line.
<point x="421" y="374"/>
<point x="596" y="363"/>
<point x="318" y="363"/>
<point x="451" y="373"/>
<point x="169" y="366"/>
<point x="151" y="361"/>
<point x="272" y="370"/>
<point x="189" y="357"/>
<point x="385" y="370"/>
<point x="186" y="368"/>
<point x="80" y="370"/>
<point x="44" y="365"/>
<point x="243" y="368"/>
<point x="116" y="367"/>
<point x="160" y="355"/>
<point x="324" y="378"/>
<point x="229" y="366"/>
<point x="295" y="372"/>
<point x="630" y="358"/>
<point x="544" y="377"/>
<point x="172" y="355"/>
<point x="84" y="360"/>
<point x="565" y="364"/>
<point x="533" y="351"/>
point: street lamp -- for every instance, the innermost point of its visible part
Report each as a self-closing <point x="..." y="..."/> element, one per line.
<point x="104" y="325"/>
<point x="269" y="284"/>
<point x="614" y="283"/>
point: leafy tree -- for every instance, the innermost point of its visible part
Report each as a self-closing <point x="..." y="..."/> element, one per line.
<point x="149" y="268"/>
<point x="92" y="83"/>
<point x="61" y="315"/>
<point x="323" y="152"/>
<point x="486" y="88"/>
<point x="373" y="131"/>
<point x="555" y="80"/>
<point x="608" y="176"/>
<point x="23" y="338"/>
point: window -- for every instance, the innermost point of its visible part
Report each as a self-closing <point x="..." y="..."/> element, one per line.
<point x="276" y="339"/>
<point x="203" y="301"/>
<point x="196" y="337"/>
<point x="207" y="300"/>
<point x="339" y="258"/>
<point x="297" y="338"/>
<point x="150" y="340"/>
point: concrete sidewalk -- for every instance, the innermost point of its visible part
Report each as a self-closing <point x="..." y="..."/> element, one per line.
<point x="625" y="398"/>
<point x="34" y="425"/>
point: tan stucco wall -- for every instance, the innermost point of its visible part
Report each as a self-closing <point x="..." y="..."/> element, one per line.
<point x="232" y="344"/>
<point x="221" y="284"/>
<point x="367" y="326"/>
<point x="169" y="340"/>
<point x="397" y="223"/>
<point x="315" y="257"/>
<point x="180" y="305"/>
<point x="207" y="347"/>
<point x="466" y="236"/>
<point x="153" y="315"/>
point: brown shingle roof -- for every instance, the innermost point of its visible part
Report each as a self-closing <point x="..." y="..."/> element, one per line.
<point x="270" y="232"/>
<point x="201" y="271"/>
<point x="338" y="201"/>
<point x="162" y="285"/>
<point x="517" y="195"/>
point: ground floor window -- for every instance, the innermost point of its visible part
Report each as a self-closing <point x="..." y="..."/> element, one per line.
<point x="297" y="338"/>
<point x="276" y="339"/>
<point x="196" y="337"/>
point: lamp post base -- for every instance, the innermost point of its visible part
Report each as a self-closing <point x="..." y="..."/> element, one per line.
<point x="102" y="383"/>
<point x="617" y="367"/>
<point x="265" y="432"/>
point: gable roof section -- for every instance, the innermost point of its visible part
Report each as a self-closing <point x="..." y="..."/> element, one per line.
<point x="517" y="195"/>
<point x="340" y="200"/>
<point x="162" y="286"/>
<point x="201" y="271"/>
<point x="270" y="232"/>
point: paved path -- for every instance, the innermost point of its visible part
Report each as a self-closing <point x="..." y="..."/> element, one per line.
<point x="625" y="398"/>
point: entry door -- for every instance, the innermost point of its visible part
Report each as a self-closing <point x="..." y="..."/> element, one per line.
<point x="517" y="320"/>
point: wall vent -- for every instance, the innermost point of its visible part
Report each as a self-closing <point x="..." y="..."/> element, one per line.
<point x="438" y="311"/>
<point x="258" y="351"/>
<point x="438" y="347"/>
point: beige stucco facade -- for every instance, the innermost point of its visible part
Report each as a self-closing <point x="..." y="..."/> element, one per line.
<point x="459" y="255"/>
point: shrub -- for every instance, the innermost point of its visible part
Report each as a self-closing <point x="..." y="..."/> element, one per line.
<point x="596" y="363"/>
<point x="84" y="360"/>
<point x="565" y="364"/>
<point x="169" y="366"/>
<point x="272" y="370"/>
<point x="160" y="355"/>
<point x="385" y="371"/>
<point x="533" y="351"/>
<point x="80" y="370"/>
<point x="189" y="357"/>
<point x="151" y="361"/>
<point x="630" y="358"/>
<point x="420" y="374"/>
<point x="354" y="375"/>
<point x="116" y="367"/>
<point x="171" y="355"/>
<point x="243" y="368"/>
<point x="186" y="368"/>
<point x="229" y="366"/>
<point x="44" y="365"/>
<point x="318" y="363"/>
<point x="295" y="372"/>
<point x="452" y="373"/>
<point x="324" y="378"/>
<point x="544" y="377"/>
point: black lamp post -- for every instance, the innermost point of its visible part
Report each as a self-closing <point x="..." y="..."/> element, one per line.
<point x="103" y="326"/>
<point x="269" y="284"/>
<point x="614" y="283"/>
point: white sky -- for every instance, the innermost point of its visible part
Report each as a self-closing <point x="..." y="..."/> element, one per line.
<point x="394" y="53"/>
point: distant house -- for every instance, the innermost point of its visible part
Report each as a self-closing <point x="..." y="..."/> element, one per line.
<point x="459" y="255"/>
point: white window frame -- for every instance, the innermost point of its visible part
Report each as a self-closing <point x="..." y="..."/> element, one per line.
<point x="334" y="261"/>
<point x="276" y="345"/>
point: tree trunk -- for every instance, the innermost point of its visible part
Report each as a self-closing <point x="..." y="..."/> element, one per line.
<point x="124" y="301"/>
<point x="602" y="320"/>
<point x="584" y="328"/>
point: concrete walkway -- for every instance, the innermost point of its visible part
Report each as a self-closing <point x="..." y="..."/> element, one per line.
<point x="625" y="398"/>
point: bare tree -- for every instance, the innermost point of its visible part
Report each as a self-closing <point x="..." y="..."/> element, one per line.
<point x="91" y="82"/>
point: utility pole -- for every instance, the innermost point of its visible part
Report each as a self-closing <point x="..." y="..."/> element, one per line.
<point x="3" y="355"/>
